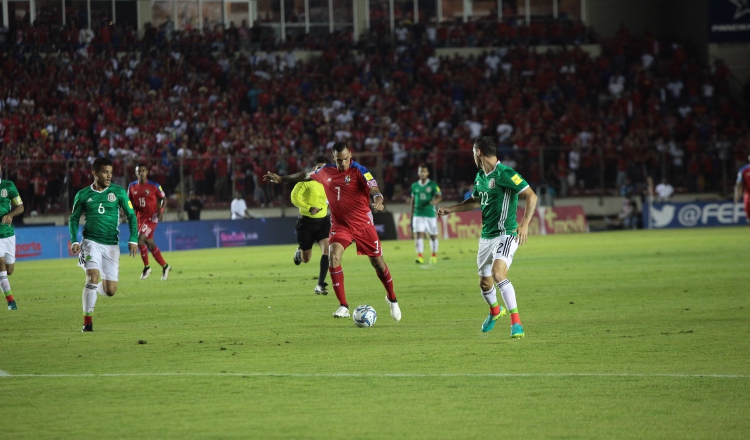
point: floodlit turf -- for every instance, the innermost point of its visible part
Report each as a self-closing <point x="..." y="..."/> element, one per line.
<point x="628" y="335"/>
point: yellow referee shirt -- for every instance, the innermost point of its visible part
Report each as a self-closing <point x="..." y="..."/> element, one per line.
<point x="306" y="195"/>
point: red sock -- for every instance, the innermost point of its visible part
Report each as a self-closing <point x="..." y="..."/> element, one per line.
<point x="157" y="256"/>
<point x="337" y="279"/>
<point x="9" y="298"/>
<point x="385" y="278"/>
<point x="87" y="320"/>
<point x="514" y="319"/>
<point x="495" y="310"/>
<point x="144" y="254"/>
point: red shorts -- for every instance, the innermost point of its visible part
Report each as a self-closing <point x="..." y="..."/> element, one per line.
<point x="147" y="228"/>
<point x="368" y="242"/>
<point x="747" y="206"/>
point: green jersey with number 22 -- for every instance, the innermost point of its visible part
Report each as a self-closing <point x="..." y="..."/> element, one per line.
<point x="497" y="193"/>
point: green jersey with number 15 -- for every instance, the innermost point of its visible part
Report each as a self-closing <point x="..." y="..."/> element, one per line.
<point x="102" y="210"/>
<point x="497" y="193"/>
<point x="423" y="194"/>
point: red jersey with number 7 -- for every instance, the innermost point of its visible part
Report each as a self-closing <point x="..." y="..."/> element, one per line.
<point x="145" y="198"/>
<point x="348" y="194"/>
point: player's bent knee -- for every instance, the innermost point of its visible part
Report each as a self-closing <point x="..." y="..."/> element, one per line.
<point x="9" y="268"/>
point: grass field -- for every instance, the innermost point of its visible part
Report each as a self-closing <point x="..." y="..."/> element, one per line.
<point x="628" y="335"/>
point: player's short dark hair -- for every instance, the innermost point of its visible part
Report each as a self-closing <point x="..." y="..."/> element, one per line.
<point x="141" y="165"/>
<point x="338" y="147"/>
<point x="321" y="159"/>
<point x="100" y="162"/>
<point x="487" y="146"/>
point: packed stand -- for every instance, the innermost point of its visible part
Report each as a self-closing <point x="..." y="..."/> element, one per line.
<point x="222" y="118"/>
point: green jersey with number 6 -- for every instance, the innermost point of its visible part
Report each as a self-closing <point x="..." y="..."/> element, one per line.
<point x="9" y="199"/>
<point x="423" y="195"/>
<point x="497" y="193"/>
<point x="102" y="210"/>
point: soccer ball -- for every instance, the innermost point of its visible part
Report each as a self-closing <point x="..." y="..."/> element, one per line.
<point x="364" y="316"/>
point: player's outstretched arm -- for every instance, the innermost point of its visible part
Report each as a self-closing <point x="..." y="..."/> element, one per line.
<point x="469" y="204"/>
<point x="737" y="192"/>
<point x="523" y="227"/>
<point x="302" y="176"/>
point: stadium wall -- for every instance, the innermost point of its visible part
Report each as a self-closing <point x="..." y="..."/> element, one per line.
<point x="49" y="242"/>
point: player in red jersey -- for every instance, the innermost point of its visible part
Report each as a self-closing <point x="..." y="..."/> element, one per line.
<point x="743" y="186"/>
<point x="148" y="202"/>
<point x="348" y="186"/>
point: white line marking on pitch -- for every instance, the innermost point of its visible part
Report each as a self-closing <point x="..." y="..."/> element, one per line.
<point x="380" y="375"/>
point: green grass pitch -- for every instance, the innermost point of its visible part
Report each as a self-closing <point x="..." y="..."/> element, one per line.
<point x="637" y="334"/>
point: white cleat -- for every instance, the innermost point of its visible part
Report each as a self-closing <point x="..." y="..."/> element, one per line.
<point x="395" y="310"/>
<point x="341" y="312"/>
<point x="146" y="272"/>
<point x="321" y="289"/>
<point x="165" y="272"/>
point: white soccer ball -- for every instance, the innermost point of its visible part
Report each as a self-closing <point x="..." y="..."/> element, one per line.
<point x="364" y="316"/>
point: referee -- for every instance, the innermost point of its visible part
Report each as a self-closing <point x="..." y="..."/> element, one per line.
<point x="313" y="224"/>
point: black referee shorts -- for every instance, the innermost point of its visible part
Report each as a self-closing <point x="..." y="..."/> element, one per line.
<point x="312" y="230"/>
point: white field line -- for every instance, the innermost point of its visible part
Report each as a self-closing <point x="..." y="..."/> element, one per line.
<point x="380" y="375"/>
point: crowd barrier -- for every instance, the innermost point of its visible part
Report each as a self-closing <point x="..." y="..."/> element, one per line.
<point x="691" y="215"/>
<point x="48" y="242"/>
<point x="39" y="243"/>
<point x="546" y="220"/>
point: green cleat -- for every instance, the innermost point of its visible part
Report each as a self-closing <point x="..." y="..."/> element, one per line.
<point x="12" y="305"/>
<point x="489" y="323"/>
<point x="420" y="260"/>
<point x="516" y="331"/>
<point x="433" y="260"/>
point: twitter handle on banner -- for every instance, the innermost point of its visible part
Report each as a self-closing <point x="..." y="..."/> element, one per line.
<point x="692" y="215"/>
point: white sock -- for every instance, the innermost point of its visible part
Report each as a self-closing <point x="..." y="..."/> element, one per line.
<point x="508" y="293"/>
<point x="420" y="245"/>
<point x="4" y="283"/>
<point x="89" y="298"/>
<point x="490" y="297"/>
<point x="100" y="289"/>
<point x="434" y="245"/>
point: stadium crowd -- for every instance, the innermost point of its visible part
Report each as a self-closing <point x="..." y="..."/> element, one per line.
<point x="194" y="104"/>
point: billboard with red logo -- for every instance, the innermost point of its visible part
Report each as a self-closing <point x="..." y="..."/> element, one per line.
<point x="547" y="220"/>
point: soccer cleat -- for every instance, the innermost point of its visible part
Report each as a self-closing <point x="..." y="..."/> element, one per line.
<point x="341" y="312"/>
<point x="433" y="260"/>
<point x="165" y="272"/>
<point x="516" y="331"/>
<point x="297" y="257"/>
<point x="321" y="289"/>
<point x="395" y="309"/>
<point x="88" y="328"/>
<point x="12" y="305"/>
<point x="146" y="272"/>
<point x="420" y="260"/>
<point x="489" y="323"/>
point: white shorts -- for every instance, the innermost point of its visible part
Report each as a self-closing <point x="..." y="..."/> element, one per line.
<point x="500" y="248"/>
<point x="8" y="249"/>
<point x="425" y="224"/>
<point x="103" y="257"/>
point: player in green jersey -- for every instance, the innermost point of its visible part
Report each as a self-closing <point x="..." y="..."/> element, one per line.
<point x="425" y="195"/>
<point x="10" y="206"/>
<point x="99" y="251"/>
<point x="496" y="191"/>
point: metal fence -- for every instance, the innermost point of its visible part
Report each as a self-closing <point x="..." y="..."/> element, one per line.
<point x="49" y="186"/>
